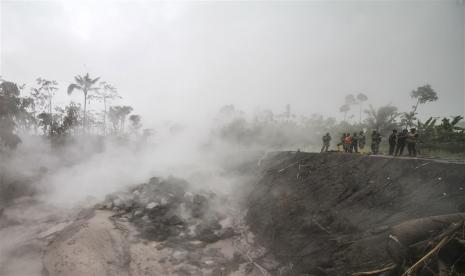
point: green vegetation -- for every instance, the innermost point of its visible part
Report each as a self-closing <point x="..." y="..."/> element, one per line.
<point x="26" y="113"/>
<point x="268" y="130"/>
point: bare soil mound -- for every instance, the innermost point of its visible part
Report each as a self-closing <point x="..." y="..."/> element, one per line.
<point x="339" y="214"/>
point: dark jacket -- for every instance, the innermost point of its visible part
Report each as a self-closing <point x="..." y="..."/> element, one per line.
<point x="401" y="137"/>
<point x="392" y="139"/>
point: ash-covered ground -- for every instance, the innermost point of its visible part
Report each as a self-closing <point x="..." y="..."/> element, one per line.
<point x="295" y="214"/>
<point x="345" y="214"/>
<point x="161" y="227"/>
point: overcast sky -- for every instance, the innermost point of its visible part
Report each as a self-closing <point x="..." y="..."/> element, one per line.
<point x="175" y="60"/>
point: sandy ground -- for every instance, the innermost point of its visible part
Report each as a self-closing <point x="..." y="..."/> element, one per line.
<point x="44" y="240"/>
<point x="99" y="245"/>
<point x="26" y="227"/>
<point x="91" y="246"/>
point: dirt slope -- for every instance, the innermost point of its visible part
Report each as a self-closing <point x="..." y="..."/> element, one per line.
<point x="330" y="214"/>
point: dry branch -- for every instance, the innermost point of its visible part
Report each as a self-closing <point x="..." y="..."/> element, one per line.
<point x="377" y="271"/>
<point x="444" y="239"/>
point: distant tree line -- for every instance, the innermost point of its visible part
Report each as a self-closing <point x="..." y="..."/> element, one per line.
<point x="266" y="129"/>
<point x="35" y="112"/>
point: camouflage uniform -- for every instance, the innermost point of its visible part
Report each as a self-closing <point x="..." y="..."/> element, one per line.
<point x="326" y="141"/>
<point x="375" y="141"/>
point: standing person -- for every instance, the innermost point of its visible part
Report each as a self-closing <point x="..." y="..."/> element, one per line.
<point x="411" y="140"/>
<point x="401" y="137"/>
<point x="361" y="141"/>
<point x="326" y="141"/>
<point x="341" y="143"/>
<point x="354" y="144"/>
<point x="348" y="143"/>
<point x="392" y="141"/>
<point x="375" y="141"/>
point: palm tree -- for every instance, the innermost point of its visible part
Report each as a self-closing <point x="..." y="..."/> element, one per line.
<point x="85" y="84"/>
<point x="344" y="109"/>
<point x="125" y="110"/>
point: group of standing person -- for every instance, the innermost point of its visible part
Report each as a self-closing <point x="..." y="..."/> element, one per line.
<point x="355" y="143"/>
<point x="397" y="142"/>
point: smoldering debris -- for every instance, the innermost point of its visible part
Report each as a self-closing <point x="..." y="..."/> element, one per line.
<point x="202" y="234"/>
<point x="164" y="210"/>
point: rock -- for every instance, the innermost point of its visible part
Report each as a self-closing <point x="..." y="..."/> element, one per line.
<point x="162" y="260"/>
<point x="188" y="270"/>
<point x="249" y="268"/>
<point x="209" y="262"/>
<point x="175" y="220"/>
<point x="194" y="258"/>
<point x="151" y="205"/>
<point x="164" y="201"/>
<point x="227" y="233"/>
<point x="118" y="203"/>
<point x="179" y="255"/>
<point x="208" y="236"/>
<point x="199" y="206"/>
<point x="188" y="196"/>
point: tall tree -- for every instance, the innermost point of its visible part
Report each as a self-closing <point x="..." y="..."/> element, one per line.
<point x="422" y="94"/>
<point x="117" y="115"/>
<point x="10" y="109"/>
<point x="86" y="84"/>
<point x="344" y="109"/>
<point x="113" y="116"/>
<point x="350" y="99"/>
<point x="43" y="96"/>
<point x="71" y="119"/>
<point x="105" y="93"/>
<point x="382" y="119"/>
<point x="125" y="110"/>
<point x="135" y="123"/>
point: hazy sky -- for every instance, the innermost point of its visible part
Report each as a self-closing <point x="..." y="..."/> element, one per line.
<point x="178" y="60"/>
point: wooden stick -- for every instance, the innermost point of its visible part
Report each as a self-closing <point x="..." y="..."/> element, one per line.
<point x="384" y="269"/>
<point x="282" y="170"/>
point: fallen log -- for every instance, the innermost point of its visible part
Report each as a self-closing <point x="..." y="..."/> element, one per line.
<point x="444" y="239"/>
<point x="413" y="231"/>
<point x="407" y="234"/>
